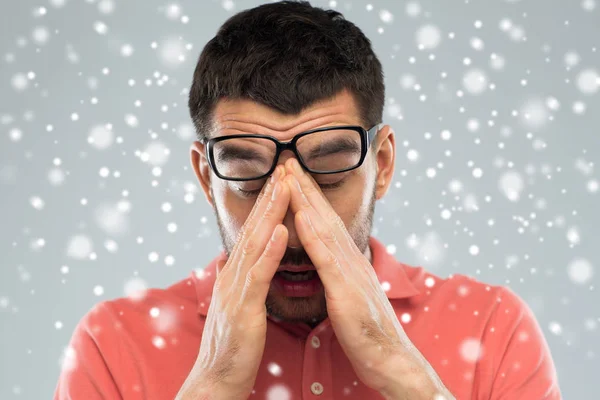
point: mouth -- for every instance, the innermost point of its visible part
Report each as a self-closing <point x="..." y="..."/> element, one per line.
<point x="297" y="273"/>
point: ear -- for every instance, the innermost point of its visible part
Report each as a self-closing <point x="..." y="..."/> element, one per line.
<point x="384" y="150"/>
<point x="201" y="169"/>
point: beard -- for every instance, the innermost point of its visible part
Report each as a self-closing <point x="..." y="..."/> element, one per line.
<point x="310" y="310"/>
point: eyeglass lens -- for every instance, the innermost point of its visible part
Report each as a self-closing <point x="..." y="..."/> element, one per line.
<point x="325" y="151"/>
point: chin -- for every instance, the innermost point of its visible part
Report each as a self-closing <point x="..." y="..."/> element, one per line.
<point x="310" y="310"/>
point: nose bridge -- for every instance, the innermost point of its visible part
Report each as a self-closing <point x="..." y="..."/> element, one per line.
<point x="287" y="152"/>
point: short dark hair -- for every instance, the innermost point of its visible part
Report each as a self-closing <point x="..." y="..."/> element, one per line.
<point x="286" y="55"/>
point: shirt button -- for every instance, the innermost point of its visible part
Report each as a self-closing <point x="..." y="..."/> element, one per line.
<point x="315" y="342"/>
<point x="316" y="388"/>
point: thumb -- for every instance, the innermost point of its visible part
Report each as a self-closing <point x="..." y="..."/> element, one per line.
<point x="220" y="264"/>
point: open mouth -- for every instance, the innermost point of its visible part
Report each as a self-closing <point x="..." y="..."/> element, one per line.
<point x="297" y="276"/>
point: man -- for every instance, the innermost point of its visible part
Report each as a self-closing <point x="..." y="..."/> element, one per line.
<point x="287" y="101"/>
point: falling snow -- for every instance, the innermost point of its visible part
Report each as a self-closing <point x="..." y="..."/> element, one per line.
<point x="496" y="130"/>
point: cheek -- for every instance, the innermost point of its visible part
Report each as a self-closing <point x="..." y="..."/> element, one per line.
<point x="233" y="210"/>
<point x="352" y="201"/>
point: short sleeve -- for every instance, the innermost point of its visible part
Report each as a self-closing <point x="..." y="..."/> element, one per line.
<point x="516" y="359"/>
<point x="84" y="373"/>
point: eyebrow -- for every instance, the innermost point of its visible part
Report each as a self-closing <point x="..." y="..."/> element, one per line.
<point x="331" y="147"/>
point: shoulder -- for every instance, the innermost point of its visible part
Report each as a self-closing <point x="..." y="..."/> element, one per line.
<point x="141" y="310"/>
<point x="466" y="294"/>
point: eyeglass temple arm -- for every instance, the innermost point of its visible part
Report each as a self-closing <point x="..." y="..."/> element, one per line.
<point x="373" y="131"/>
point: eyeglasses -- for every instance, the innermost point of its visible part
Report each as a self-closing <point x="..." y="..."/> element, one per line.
<point x="328" y="150"/>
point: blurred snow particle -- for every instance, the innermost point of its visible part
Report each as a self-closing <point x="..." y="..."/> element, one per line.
<point x="173" y="11"/>
<point x="79" y="247"/>
<point x="552" y="103"/>
<point x="98" y="290"/>
<point x="412" y="155"/>
<point x="477" y="43"/>
<point x="72" y="55"/>
<point x="592" y="186"/>
<point x="169" y="260"/>
<point x="571" y="59"/>
<point x="4" y="302"/>
<point x="126" y="50"/>
<point x="588" y="5"/>
<point x="580" y="271"/>
<point x="131" y="120"/>
<point x="516" y="33"/>
<point x="472" y="125"/>
<point x="583" y="166"/>
<point x="428" y="37"/>
<point x="153" y="257"/>
<point x="40" y="35"/>
<point x="135" y="289"/>
<point x="471" y="350"/>
<point x="446" y="214"/>
<point x="100" y="27"/>
<point x="386" y="16"/>
<point x="429" y="282"/>
<point x="405" y="318"/>
<point x="511" y="184"/>
<point x="555" y="328"/>
<point x="186" y="131"/>
<point x="68" y="359"/>
<point x="473" y="250"/>
<point x="158" y="342"/>
<point x="36" y="202"/>
<point x="394" y="111"/>
<point x="430" y="250"/>
<point x="229" y="5"/>
<point x="172" y="52"/>
<point x="274" y="369"/>
<point x="111" y="246"/>
<point x="470" y="203"/>
<point x="497" y="62"/>
<point x="588" y="81"/>
<point x="446" y="134"/>
<point x="19" y="82"/>
<point x="112" y="218"/>
<point x="412" y="9"/>
<point x="391" y="249"/>
<point x="534" y="113"/>
<point x="475" y="81"/>
<point x="278" y="392"/>
<point x="579" y="107"/>
<point x="156" y="153"/>
<point x="101" y="137"/>
<point x="58" y="3"/>
<point x="573" y="235"/>
<point x="56" y="176"/>
<point x="408" y="81"/>
<point x="455" y="186"/>
<point x="15" y="134"/>
<point x="106" y="6"/>
<point x="590" y="324"/>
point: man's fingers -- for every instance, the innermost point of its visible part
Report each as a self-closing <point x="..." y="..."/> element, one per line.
<point x="252" y="220"/>
<point x="272" y="214"/>
<point x="260" y="275"/>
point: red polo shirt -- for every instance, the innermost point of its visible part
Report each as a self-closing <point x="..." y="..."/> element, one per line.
<point x="482" y="340"/>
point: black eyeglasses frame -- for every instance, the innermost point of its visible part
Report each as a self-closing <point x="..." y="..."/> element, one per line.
<point x="366" y="137"/>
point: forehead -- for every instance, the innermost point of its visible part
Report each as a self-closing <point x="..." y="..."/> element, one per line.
<point x="233" y="116"/>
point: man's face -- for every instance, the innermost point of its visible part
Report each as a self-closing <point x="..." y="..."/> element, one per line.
<point x="353" y="201"/>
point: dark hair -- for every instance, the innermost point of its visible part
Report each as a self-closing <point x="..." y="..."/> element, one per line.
<point x="286" y="55"/>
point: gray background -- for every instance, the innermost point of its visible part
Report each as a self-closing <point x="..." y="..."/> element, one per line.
<point x="83" y="215"/>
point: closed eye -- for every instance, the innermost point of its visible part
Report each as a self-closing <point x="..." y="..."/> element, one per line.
<point x="323" y="186"/>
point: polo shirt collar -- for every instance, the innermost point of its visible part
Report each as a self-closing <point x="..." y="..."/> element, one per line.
<point x="387" y="269"/>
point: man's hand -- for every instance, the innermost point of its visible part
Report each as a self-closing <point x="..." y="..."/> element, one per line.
<point x="361" y="316"/>
<point x="235" y="329"/>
